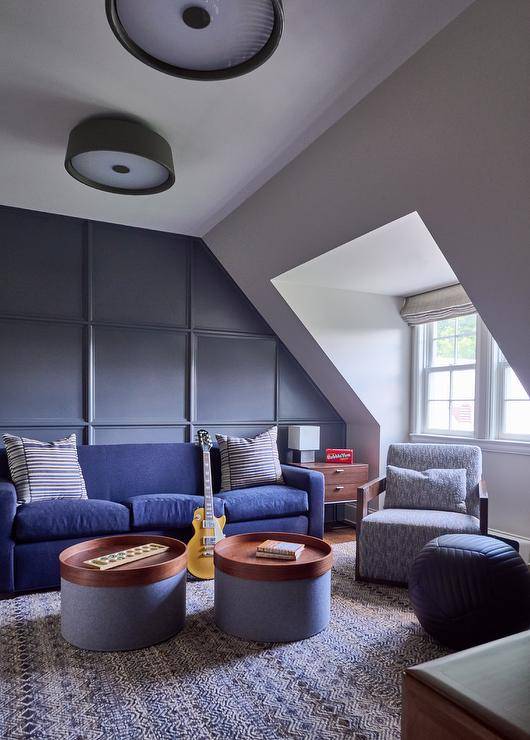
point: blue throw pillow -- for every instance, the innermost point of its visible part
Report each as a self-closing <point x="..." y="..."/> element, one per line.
<point x="436" y="488"/>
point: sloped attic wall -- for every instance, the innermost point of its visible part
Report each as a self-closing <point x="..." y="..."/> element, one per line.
<point x="445" y="135"/>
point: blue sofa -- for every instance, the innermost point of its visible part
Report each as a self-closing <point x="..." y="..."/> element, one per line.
<point x="143" y="488"/>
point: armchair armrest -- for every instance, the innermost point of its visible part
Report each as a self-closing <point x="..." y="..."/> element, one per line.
<point x="368" y="492"/>
<point x="483" y="506"/>
<point x="311" y="481"/>
<point x="8" y="507"/>
<point x="365" y="494"/>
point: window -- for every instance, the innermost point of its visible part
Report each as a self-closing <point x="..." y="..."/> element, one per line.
<point x="463" y="385"/>
<point x="450" y="375"/>
<point x="513" y="403"/>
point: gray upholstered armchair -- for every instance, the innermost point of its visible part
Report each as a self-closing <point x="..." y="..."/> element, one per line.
<point x="389" y="539"/>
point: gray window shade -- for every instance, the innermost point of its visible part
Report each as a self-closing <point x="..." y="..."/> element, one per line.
<point x="444" y="303"/>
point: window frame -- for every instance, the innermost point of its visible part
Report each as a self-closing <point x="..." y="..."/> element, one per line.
<point x="490" y="368"/>
<point x="498" y="403"/>
<point x="428" y="369"/>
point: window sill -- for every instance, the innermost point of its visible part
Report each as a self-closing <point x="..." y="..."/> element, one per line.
<point x="505" y="446"/>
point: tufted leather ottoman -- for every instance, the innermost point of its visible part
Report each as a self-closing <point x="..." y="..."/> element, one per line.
<point x="469" y="589"/>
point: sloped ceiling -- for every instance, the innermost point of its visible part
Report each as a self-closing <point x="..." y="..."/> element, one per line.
<point x="60" y="63"/>
<point x="447" y="136"/>
<point x="380" y="262"/>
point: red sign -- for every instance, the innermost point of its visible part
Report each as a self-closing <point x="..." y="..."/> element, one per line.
<point x="333" y="455"/>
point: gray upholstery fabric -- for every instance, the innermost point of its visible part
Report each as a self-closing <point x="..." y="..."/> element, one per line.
<point x="390" y="539"/>
<point x="423" y="456"/>
<point x="442" y="490"/>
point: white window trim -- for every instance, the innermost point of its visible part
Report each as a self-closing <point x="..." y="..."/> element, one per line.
<point x="488" y="399"/>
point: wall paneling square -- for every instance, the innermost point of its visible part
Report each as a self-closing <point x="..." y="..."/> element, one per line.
<point x="140" y="375"/>
<point x="41" y="371"/>
<point x="235" y="378"/>
<point x="140" y="276"/>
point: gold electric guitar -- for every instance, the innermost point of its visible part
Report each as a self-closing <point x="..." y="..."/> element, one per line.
<point x="208" y="528"/>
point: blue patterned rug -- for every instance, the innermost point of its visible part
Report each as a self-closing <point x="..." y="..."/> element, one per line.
<point x="202" y="684"/>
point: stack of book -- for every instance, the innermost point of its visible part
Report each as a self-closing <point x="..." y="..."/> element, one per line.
<point x="279" y="550"/>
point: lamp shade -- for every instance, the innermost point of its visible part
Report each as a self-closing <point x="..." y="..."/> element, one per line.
<point x="200" y="40"/>
<point x="119" y="156"/>
<point x="304" y="438"/>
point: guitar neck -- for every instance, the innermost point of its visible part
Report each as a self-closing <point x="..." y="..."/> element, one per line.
<point x="208" y="488"/>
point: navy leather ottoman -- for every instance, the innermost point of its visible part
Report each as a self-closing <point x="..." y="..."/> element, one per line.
<point x="469" y="589"/>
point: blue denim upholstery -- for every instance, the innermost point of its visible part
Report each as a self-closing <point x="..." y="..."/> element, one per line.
<point x="263" y="502"/>
<point x="298" y="524"/>
<point x="8" y="506"/>
<point x="166" y="510"/>
<point x="311" y="481"/>
<point x="117" y="472"/>
<point x="134" y="476"/>
<point x="63" y="519"/>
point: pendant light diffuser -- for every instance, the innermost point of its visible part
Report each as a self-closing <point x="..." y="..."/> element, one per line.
<point x="202" y="40"/>
<point x="119" y="156"/>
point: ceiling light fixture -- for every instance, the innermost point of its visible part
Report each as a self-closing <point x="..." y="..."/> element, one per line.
<point x="119" y="156"/>
<point x="202" y="40"/>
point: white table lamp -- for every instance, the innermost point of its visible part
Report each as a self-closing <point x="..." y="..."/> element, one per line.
<point x="303" y="441"/>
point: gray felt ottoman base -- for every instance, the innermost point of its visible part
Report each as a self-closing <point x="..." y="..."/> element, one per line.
<point x="122" y="618"/>
<point x="272" y="611"/>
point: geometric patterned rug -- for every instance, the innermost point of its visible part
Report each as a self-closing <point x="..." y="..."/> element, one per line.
<point x="205" y="685"/>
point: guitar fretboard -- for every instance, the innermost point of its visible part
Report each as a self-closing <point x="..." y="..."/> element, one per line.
<point x="208" y="489"/>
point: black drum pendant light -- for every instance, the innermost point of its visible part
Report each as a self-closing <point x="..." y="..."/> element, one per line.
<point x="119" y="156"/>
<point x="201" y="40"/>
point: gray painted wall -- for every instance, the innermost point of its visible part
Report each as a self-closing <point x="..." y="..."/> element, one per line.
<point x="446" y="135"/>
<point x="130" y="335"/>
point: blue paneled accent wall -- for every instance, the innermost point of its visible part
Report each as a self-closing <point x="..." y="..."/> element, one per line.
<point x="128" y="335"/>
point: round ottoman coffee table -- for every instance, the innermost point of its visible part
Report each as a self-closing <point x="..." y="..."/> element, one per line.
<point x="128" y="607"/>
<point x="268" y="600"/>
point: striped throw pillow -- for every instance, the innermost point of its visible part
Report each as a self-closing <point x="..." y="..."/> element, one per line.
<point x="42" y="471"/>
<point x="249" y="462"/>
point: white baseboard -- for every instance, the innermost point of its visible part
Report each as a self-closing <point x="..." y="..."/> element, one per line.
<point x="524" y="543"/>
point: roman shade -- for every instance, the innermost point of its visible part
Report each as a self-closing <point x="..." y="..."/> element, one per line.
<point x="443" y="303"/>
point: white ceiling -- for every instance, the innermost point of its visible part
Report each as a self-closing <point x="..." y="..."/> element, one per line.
<point x="398" y="259"/>
<point x="60" y="62"/>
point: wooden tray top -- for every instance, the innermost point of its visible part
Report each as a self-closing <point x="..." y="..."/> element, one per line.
<point x="138" y="573"/>
<point x="236" y="556"/>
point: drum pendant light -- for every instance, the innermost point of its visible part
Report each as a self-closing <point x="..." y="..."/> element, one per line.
<point x="119" y="156"/>
<point x="201" y="40"/>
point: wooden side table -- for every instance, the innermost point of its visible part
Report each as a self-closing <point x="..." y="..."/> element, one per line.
<point x="341" y="481"/>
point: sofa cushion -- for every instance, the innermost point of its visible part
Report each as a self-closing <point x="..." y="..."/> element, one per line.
<point x="167" y="510"/>
<point x="263" y="502"/>
<point x="56" y="520"/>
<point x="439" y="489"/>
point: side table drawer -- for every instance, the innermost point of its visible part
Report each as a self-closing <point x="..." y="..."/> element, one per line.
<point x="357" y="475"/>
<point x="340" y="491"/>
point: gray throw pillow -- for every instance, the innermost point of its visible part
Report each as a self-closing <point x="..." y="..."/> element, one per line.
<point x="247" y="462"/>
<point x="436" y="488"/>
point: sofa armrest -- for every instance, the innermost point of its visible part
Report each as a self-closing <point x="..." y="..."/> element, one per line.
<point x="8" y="507"/>
<point x="483" y="506"/>
<point x="311" y="481"/>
